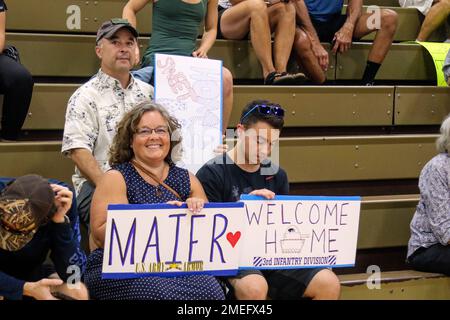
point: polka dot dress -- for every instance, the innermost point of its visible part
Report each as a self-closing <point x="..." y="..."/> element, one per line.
<point x="196" y="287"/>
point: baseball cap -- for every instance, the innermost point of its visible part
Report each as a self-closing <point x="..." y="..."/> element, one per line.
<point x="25" y="204"/>
<point x="110" y="27"/>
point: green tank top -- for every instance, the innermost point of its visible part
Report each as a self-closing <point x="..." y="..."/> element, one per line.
<point x="175" y="28"/>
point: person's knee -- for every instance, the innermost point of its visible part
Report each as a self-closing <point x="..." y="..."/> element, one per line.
<point x="324" y="285"/>
<point x="389" y="20"/>
<point x="302" y="44"/>
<point x="285" y="11"/>
<point x="256" y="6"/>
<point x="20" y="78"/>
<point x="251" y="288"/>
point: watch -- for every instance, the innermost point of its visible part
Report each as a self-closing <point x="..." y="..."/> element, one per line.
<point x="66" y="220"/>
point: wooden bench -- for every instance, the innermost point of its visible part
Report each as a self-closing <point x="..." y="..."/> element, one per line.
<point x="396" y="285"/>
<point x="306" y="106"/>
<point x="73" y="56"/>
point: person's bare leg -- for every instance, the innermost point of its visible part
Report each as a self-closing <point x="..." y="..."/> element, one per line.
<point x="306" y="58"/>
<point x="250" y="16"/>
<point x="227" y="79"/>
<point x="324" y="285"/>
<point x="251" y="287"/>
<point x="385" y="33"/>
<point x="282" y="22"/>
<point x="436" y="16"/>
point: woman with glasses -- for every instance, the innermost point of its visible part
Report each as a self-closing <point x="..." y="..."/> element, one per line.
<point x="143" y="171"/>
<point x="175" y="27"/>
<point x="16" y="86"/>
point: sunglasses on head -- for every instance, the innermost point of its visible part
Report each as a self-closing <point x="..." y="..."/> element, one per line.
<point x="266" y="109"/>
<point x="119" y="21"/>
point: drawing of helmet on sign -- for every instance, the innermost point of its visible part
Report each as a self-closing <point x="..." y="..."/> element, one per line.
<point x="292" y="240"/>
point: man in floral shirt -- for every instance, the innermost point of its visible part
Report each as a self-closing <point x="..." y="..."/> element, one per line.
<point x="95" y="109"/>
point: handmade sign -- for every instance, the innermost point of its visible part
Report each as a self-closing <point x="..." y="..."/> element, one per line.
<point x="299" y="232"/>
<point x="165" y="240"/>
<point x="191" y="90"/>
<point x="255" y="233"/>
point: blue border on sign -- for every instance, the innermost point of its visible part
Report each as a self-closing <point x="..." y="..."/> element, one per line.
<point x="211" y="205"/>
<point x="296" y="198"/>
<point x="132" y="275"/>
<point x="299" y="267"/>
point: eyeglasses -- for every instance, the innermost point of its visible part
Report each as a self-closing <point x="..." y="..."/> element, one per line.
<point x="147" y="132"/>
<point x="266" y="109"/>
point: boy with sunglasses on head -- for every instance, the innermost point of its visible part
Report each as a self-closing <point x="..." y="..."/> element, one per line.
<point x="246" y="169"/>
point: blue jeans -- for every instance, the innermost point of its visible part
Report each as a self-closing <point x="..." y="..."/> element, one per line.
<point x="144" y="74"/>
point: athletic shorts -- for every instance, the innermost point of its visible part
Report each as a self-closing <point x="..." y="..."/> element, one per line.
<point x="284" y="284"/>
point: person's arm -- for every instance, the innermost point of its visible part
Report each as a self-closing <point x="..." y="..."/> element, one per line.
<point x="65" y="245"/>
<point x="14" y="289"/>
<point x="132" y="8"/>
<point x="343" y="37"/>
<point x="110" y="190"/>
<point x="2" y="30"/>
<point x="10" y="287"/>
<point x="212" y="183"/>
<point x="210" y="32"/>
<point x="197" y="197"/>
<point x="86" y="163"/>
<point x="80" y="135"/>
<point x="304" y="22"/>
<point x="436" y="190"/>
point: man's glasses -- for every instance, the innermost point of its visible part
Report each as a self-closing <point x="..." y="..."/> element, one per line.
<point x="147" y="132"/>
<point x="266" y="109"/>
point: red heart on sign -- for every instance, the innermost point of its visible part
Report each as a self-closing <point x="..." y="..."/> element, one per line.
<point x="233" y="238"/>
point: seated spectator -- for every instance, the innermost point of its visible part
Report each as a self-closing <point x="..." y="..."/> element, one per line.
<point x="36" y="218"/>
<point x="16" y="86"/>
<point x="259" y="19"/>
<point x="435" y="12"/>
<point x="429" y="245"/>
<point x="175" y="26"/>
<point x="446" y="68"/>
<point x="325" y="23"/>
<point x="143" y="171"/>
<point x="245" y="169"/>
<point x="97" y="106"/>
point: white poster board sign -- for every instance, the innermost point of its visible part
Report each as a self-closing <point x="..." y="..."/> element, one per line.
<point x="299" y="232"/>
<point x="166" y="240"/>
<point x="191" y="90"/>
<point x="288" y="232"/>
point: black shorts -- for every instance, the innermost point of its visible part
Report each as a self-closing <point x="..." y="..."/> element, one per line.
<point x="326" y="29"/>
<point x="284" y="284"/>
<point x="221" y="10"/>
